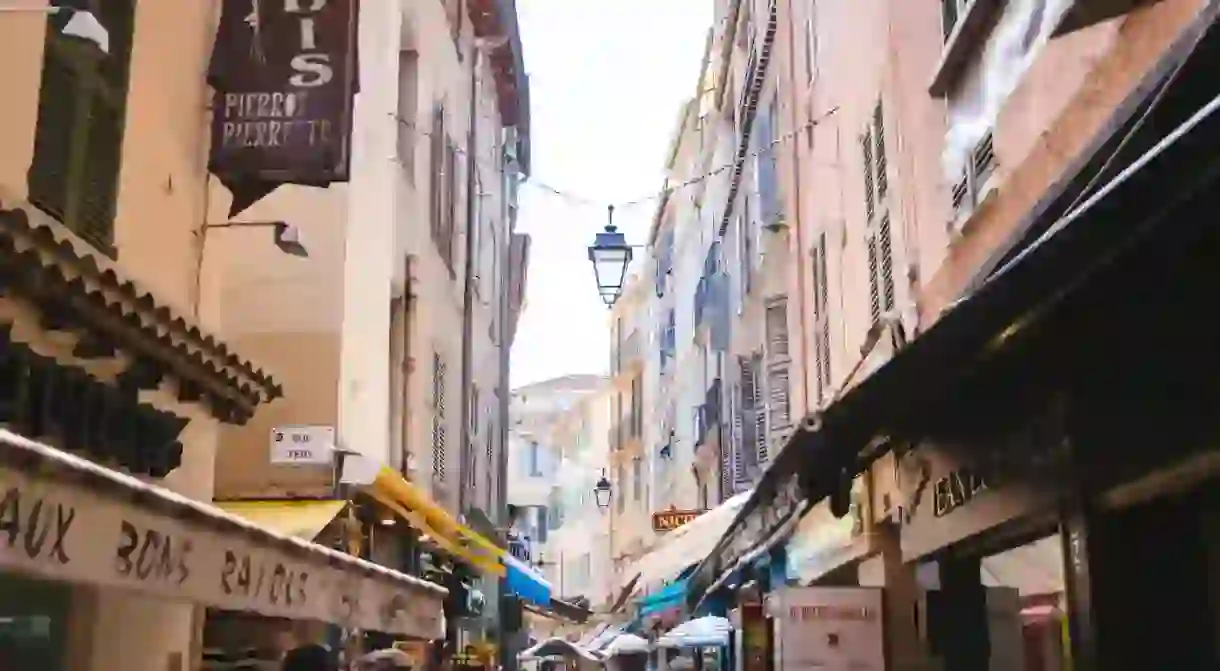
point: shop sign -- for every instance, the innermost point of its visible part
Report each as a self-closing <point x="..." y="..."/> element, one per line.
<point x="947" y="493"/>
<point x="303" y="444"/>
<point x="756" y="527"/>
<point x="668" y="520"/>
<point x="285" y="74"/>
<point x="830" y="628"/>
<point x="65" y="530"/>
<point x="821" y="542"/>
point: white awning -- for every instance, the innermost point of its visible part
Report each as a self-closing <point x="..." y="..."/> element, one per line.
<point x="687" y="545"/>
<point x="66" y="518"/>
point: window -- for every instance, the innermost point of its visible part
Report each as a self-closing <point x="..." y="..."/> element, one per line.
<point x="972" y="187"/>
<point x="876" y="207"/>
<point x="811" y="42"/>
<point x="778" y="363"/>
<point x="821" y="319"/>
<point x="749" y="415"/>
<point x="950" y="12"/>
<point x="534" y="457"/>
<point x="636" y="419"/>
<point x="443" y="194"/>
<point x="78" y="142"/>
<point x="439" y="429"/>
<point x="746" y="249"/>
<point x="408" y="100"/>
<point x="637" y="479"/>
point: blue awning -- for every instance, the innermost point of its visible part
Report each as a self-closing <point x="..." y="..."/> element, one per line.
<point x="525" y="582"/>
<point x="670" y="596"/>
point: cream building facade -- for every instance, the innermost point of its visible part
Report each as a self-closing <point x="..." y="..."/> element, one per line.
<point x="114" y="201"/>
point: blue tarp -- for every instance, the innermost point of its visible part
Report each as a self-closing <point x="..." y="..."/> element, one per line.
<point x="526" y="583"/>
<point x="672" y="595"/>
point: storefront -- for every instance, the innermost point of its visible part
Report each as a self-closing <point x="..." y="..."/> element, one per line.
<point x="1068" y="400"/>
<point x="71" y="522"/>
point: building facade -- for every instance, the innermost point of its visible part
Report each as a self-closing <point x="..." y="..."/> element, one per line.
<point x="929" y="167"/>
<point x="121" y="358"/>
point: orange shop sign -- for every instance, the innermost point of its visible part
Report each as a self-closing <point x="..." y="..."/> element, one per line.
<point x="668" y="520"/>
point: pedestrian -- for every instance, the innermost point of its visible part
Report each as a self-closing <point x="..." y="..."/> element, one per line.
<point x="309" y="657"/>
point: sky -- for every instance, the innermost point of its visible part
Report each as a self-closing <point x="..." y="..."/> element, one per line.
<point x="607" y="80"/>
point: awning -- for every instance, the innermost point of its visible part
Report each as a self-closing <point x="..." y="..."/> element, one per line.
<point x="299" y="519"/>
<point x="670" y="596"/>
<point x="1069" y="245"/>
<point x="414" y="505"/>
<point x="686" y="546"/>
<point x="525" y="582"/>
<point x="74" y="520"/>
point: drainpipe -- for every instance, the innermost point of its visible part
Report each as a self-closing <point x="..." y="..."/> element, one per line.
<point x="472" y="167"/>
<point x="798" y="239"/>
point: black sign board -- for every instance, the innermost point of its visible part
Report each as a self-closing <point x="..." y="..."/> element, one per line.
<point x="285" y="73"/>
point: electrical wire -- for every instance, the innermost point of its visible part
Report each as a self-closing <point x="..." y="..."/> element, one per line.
<point x="665" y="191"/>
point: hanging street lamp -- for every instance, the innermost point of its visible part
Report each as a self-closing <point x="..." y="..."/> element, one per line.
<point x="603" y="491"/>
<point x="610" y="255"/>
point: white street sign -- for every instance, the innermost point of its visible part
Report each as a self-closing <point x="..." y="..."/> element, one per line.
<point x="302" y="444"/>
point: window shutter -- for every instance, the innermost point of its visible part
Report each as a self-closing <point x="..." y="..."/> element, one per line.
<point x="745" y="419"/>
<point x="60" y="103"/>
<point x="870" y="187"/>
<point x="885" y="250"/>
<point x="821" y="304"/>
<point x="778" y="362"/>
<point x="728" y="444"/>
<point x="760" y="414"/>
<point x="439" y="449"/>
<point x="874" y="291"/>
<point x="882" y="161"/>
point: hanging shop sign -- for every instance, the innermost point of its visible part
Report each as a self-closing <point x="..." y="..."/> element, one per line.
<point x="829" y="628"/>
<point x="285" y="74"/>
<point x="942" y="494"/>
<point x="822" y="542"/>
<point x="668" y="520"/>
<point x="141" y="539"/>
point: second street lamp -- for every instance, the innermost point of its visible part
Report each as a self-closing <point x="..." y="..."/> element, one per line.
<point x="610" y="255"/>
<point x="602" y="491"/>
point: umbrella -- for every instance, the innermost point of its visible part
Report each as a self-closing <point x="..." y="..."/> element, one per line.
<point x="697" y="633"/>
<point x="559" y="647"/>
<point x="387" y="658"/>
<point x="626" y="644"/>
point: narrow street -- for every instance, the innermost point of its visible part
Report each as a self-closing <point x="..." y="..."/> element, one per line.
<point x="546" y="335"/>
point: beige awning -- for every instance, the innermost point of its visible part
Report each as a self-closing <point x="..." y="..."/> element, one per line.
<point x="71" y="519"/>
<point x="687" y="545"/>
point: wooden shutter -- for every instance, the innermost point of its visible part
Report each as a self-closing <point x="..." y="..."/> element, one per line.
<point x="439" y="448"/>
<point x="760" y="413"/>
<point x="881" y="161"/>
<point x="745" y="417"/>
<point x="821" y="305"/>
<point x="60" y="104"/>
<point x="870" y="186"/>
<point x="436" y="151"/>
<point x="778" y="362"/>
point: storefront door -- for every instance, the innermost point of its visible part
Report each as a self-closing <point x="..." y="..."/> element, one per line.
<point x="33" y="624"/>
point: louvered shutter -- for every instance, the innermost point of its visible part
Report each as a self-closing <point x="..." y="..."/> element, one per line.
<point x="728" y="446"/>
<point x="745" y="418"/>
<point x="439" y="430"/>
<point x="881" y="166"/>
<point x="885" y="252"/>
<point x="760" y="414"/>
<point x="778" y="362"/>
<point x="60" y="103"/>
<point x="870" y="187"/>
